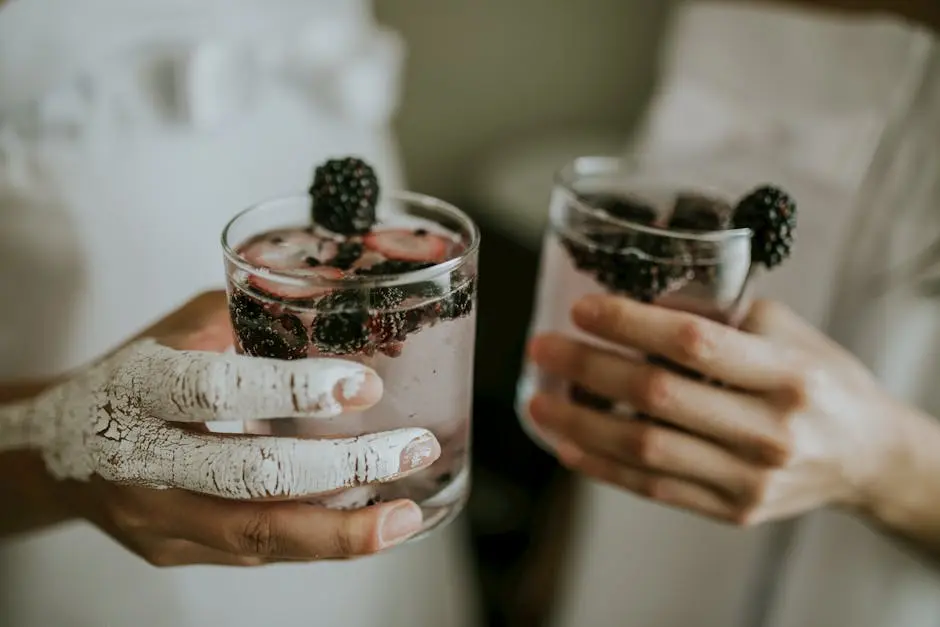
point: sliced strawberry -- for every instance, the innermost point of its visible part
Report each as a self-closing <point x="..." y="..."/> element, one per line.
<point x="289" y="250"/>
<point x="408" y="245"/>
<point x="285" y="291"/>
<point x="323" y="272"/>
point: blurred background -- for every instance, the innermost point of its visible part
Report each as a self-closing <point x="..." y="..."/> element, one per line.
<point x="498" y="95"/>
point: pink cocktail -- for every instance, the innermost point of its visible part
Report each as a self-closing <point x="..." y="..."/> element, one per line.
<point x="656" y="234"/>
<point x="399" y="296"/>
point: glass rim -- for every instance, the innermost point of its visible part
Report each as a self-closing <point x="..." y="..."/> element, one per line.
<point x="567" y="175"/>
<point x="361" y="281"/>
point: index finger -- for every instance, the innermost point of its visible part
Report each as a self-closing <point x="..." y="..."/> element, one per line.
<point x="715" y="350"/>
<point x="201" y="386"/>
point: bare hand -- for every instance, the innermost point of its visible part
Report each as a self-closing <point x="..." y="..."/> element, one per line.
<point x="799" y="423"/>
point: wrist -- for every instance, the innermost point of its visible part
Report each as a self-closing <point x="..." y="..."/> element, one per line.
<point x="33" y="499"/>
<point x="906" y="491"/>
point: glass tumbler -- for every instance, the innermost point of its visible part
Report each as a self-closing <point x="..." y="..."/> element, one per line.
<point x="413" y="322"/>
<point x="655" y="232"/>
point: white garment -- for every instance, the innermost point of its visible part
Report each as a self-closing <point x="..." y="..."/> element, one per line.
<point x="129" y="133"/>
<point x="845" y="114"/>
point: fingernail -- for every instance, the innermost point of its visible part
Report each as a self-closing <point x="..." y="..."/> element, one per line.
<point x="362" y="389"/>
<point x="399" y="524"/>
<point x="419" y="453"/>
<point x="568" y="453"/>
<point x="586" y="310"/>
<point x="543" y="348"/>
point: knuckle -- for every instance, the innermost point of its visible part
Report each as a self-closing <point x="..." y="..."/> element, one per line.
<point x="650" y="445"/>
<point x="763" y="315"/>
<point x="755" y="489"/>
<point x="130" y="519"/>
<point x="775" y="450"/>
<point x="655" y="391"/>
<point x="694" y="341"/>
<point x="745" y="518"/>
<point x="764" y="309"/>
<point x="799" y="390"/>
<point x="655" y="488"/>
<point x="344" y="543"/>
<point x="575" y="360"/>
<point x="259" y="535"/>
<point x="203" y="377"/>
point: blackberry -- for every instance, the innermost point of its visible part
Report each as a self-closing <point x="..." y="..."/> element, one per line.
<point x="388" y="327"/>
<point x="644" y="278"/>
<point x="244" y="309"/>
<point x="341" y="326"/>
<point x="346" y="255"/>
<point x="458" y="303"/>
<point x="770" y="213"/>
<point x="585" y="398"/>
<point x="423" y="290"/>
<point x="697" y="213"/>
<point x="394" y="266"/>
<point x="383" y="298"/>
<point x="345" y="193"/>
<point x="621" y="207"/>
<point x="433" y="305"/>
<point x="262" y="334"/>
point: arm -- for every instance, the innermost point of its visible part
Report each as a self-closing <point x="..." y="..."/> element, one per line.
<point x="800" y="425"/>
<point x="31" y="497"/>
<point x="105" y="444"/>
<point x="907" y="502"/>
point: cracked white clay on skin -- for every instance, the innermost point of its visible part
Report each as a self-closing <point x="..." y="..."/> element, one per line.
<point x="111" y="419"/>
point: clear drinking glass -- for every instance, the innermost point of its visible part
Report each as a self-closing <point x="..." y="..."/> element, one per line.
<point x="414" y="327"/>
<point x="609" y="232"/>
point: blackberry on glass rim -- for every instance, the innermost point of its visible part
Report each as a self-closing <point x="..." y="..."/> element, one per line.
<point x="673" y="235"/>
<point x="384" y="278"/>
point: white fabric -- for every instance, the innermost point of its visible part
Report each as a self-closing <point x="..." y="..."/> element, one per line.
<point x="129" y="133"/>
<point x="845" y="114"/>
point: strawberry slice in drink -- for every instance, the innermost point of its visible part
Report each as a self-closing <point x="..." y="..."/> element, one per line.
<point x="409" y="245"/>
<point x="288" y="250"/>
<point x="288" y="291"/>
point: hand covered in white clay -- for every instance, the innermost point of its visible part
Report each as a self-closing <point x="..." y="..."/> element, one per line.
<point x="123" y="420"/>
<point x="114" y="418"/>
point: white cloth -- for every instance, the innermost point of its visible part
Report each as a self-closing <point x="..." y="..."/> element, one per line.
<point x="845" y="114"/>
<point x="129" y="133"/>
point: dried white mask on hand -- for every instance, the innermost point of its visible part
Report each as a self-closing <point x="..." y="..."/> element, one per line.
<point x="114" y="419"/>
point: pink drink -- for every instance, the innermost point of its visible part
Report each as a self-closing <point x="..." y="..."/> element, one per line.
<point x="400" y="299"/>
<point x="611" y="233"/>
